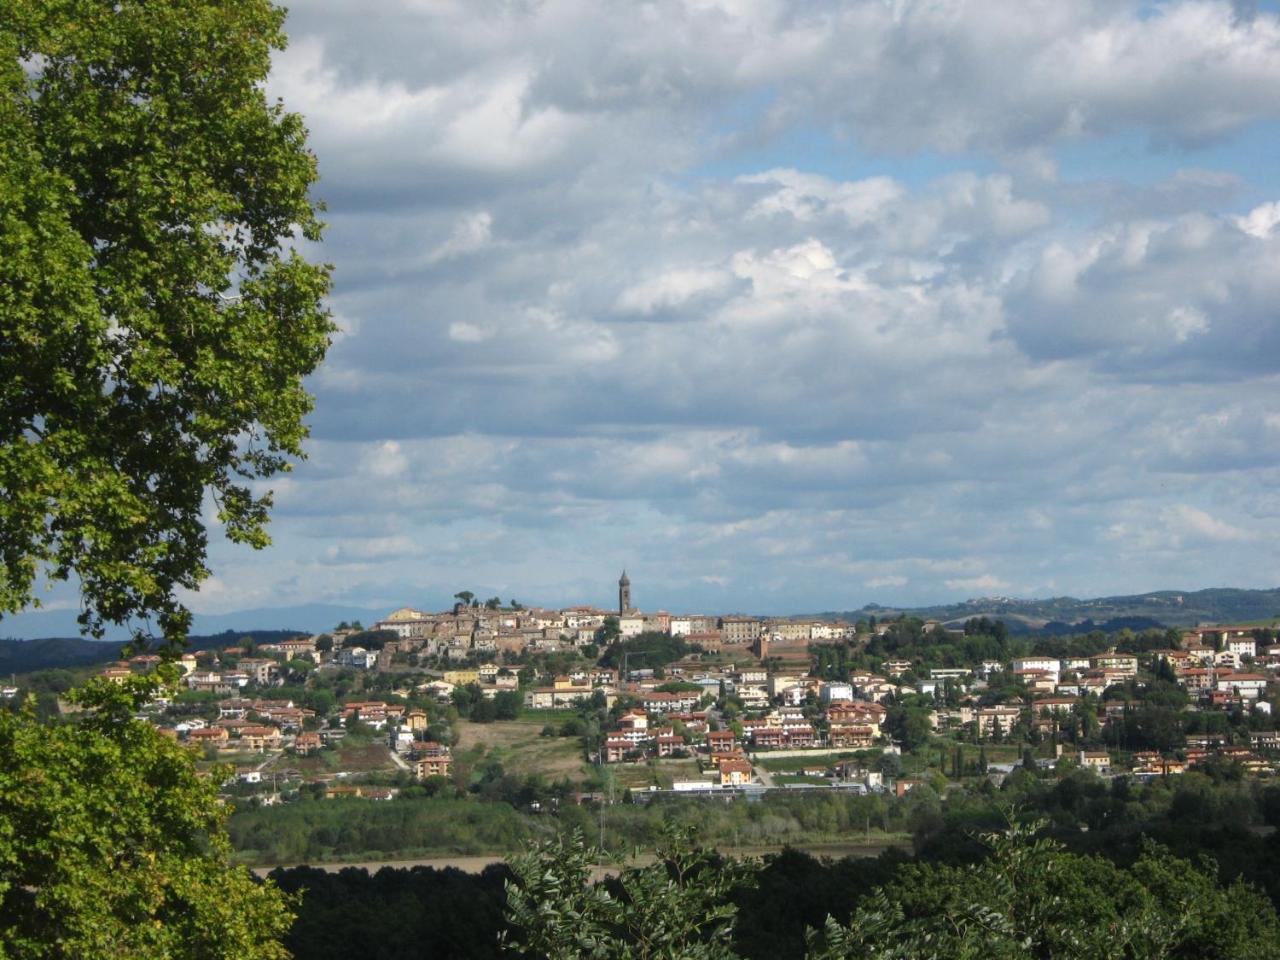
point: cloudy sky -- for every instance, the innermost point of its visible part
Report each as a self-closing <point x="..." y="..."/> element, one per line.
<point x="785" y="306"/>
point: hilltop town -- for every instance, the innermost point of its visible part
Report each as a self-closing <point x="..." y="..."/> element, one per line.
<point x="715" y="704"/>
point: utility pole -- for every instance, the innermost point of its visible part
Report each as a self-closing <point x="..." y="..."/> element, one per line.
<point x="602" y="802"/>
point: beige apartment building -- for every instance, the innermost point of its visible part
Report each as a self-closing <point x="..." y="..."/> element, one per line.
<point x="739" y="630"/>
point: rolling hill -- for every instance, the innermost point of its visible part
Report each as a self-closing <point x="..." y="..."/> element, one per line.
<point x="1165" y="608"/>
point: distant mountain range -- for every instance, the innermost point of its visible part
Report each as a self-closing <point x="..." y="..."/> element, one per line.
<point x="310" y="618"/>
<point x="1056" y="615"/>
<point x="24" y="656"/>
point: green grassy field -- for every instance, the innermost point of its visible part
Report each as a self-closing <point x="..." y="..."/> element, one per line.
<point x="543" y="717"/>
<point x="633" y="776"/>
<point x="654" y="773"/>
<point x="794" y="764"/>
<point x="358" y="757"/>
<point x="521" y="749"/>
<point x="668" y="771"/>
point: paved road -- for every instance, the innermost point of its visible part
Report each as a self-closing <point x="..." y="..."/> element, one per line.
<point x="765" y="776"/>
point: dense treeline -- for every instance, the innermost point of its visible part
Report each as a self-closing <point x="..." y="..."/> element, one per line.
<point x="649" y="650"/>
<point x="407" y="914"/>
<point x="357" y="829"/>
<point x="1217" y="815"/>
<point x="909" y="639"/>
<point x="473" y="705"/>
<point x="395" y="914"/>
<point x="1027" y="897"/>
<point x="1086" y="811"/>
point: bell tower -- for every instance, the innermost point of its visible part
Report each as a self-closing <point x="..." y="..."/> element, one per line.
<point x="624" y="593"/>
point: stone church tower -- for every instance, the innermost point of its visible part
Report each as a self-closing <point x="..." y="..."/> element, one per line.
<point x="624" y="593"/>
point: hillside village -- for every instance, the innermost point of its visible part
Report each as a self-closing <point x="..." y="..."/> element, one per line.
<point x="726" y="703"/>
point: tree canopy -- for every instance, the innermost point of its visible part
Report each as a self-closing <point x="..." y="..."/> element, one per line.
<point x="156" y="315"/>
<point x="1027" y="898"/>
<point x="1031" y="898"/>
<point x="157" y="318"/>
<point x="678" y="906"/>
<point x="112" y="846"/>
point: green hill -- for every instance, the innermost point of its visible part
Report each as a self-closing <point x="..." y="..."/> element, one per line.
<point x="1170" y="608"/>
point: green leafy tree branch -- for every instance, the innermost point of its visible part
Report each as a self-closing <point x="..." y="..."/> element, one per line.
<point x="112" y="846"/>
<point x="156" y="314"/>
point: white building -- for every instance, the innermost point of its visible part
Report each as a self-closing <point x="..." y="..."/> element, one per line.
<point x="1047" y="664"/>
<point x="631" y="626"/>
<point x="836" y="691"/>
<point x="1243" y="646"/>
<point x="1247" y="686"/>
<point x="357" y="657"/>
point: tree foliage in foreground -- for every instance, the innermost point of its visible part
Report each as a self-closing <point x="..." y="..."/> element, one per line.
<point x="678" y="906"/>
<point x="1029" y="899"/>
<point x="112" y="846"/>
<point x="156" y="324"/>
<point x="395" y="913"/>
<point x="155" y="321"/>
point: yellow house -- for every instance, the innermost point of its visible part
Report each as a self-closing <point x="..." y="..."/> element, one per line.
<point x="460" y="678"/>
<point x="1099" y="760"/>
<point x="405" y="613"/>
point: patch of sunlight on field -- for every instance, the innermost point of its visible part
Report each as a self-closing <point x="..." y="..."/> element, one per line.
<point x="521" y="749"/>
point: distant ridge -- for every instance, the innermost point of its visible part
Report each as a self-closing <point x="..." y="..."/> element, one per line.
<point x="24" y="656"/>
<point x="1057" y="615"/>
<point x="307" y="618"/>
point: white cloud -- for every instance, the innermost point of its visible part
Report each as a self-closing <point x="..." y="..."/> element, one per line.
<point x="1190" y="294"/>
<point x="1260" y="221"/>
<point x="470" y="233"/>
<point x="955" y="76"/>
<point x="672" y="289"/>
<point x="1186" y="322"/>
<point x="1187" y="521"/>
<point x="387" y="461"/>
<point x="985" y="582"/>
<point x="479" y="123"/>
<point x="917" y="339"/>
<point x="464" y="332"/>
<point x="806" y="196"/>
<point x="875" y="583"/>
